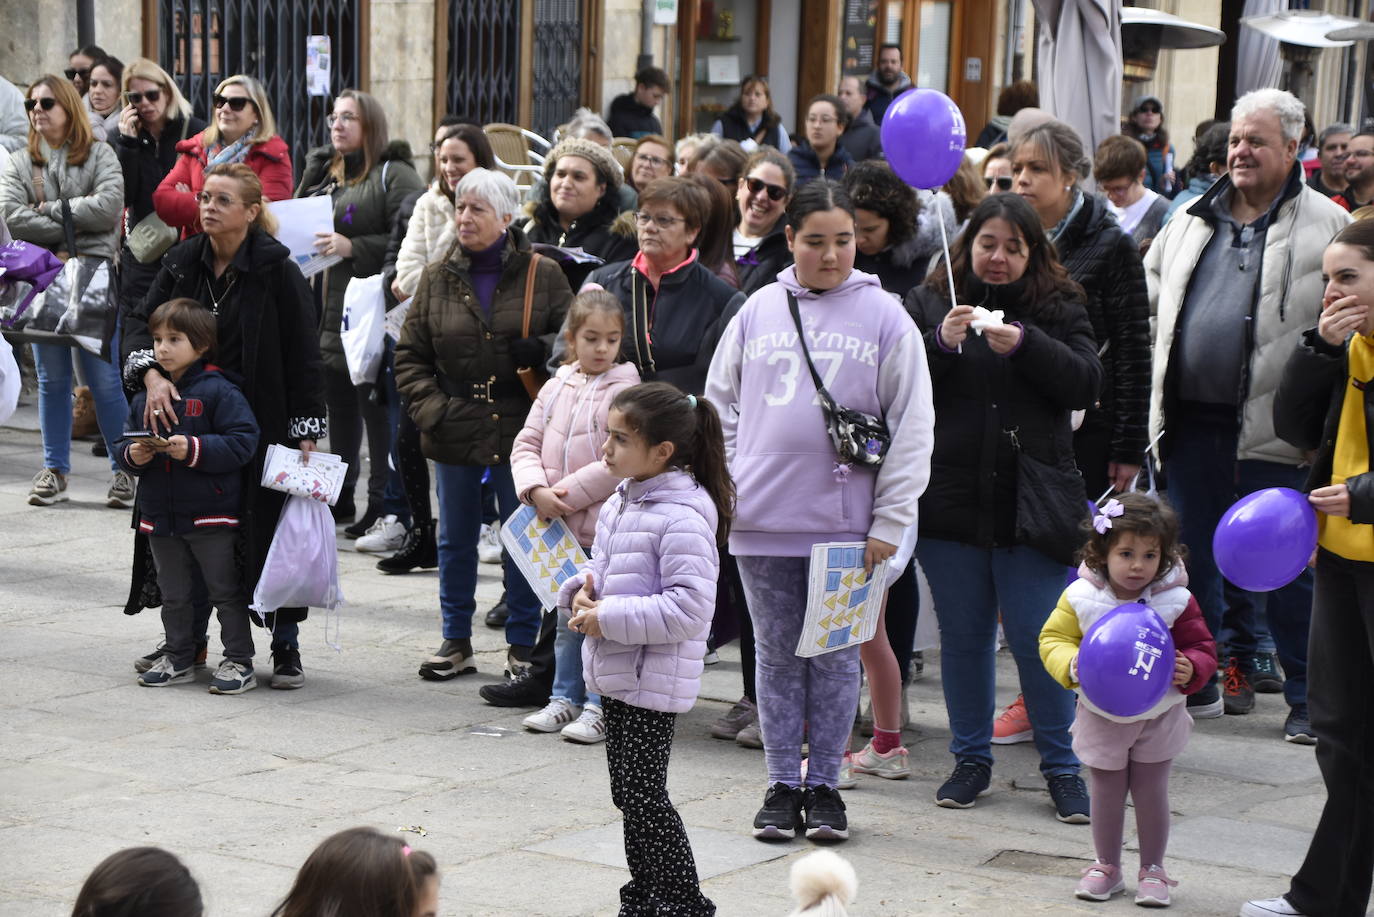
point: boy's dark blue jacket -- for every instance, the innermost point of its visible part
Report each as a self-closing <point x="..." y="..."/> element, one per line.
<point x="203" y="491"/>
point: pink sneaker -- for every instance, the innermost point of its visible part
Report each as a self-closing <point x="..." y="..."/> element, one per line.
<point x="1152" y="888"/>
<point x="891" y="766"/>
<point x="1100" y="882"/>
<point x="1014" y="725"/>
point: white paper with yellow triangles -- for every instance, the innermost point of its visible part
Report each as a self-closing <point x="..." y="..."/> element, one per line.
<point x="545" y="552"/>
<point x="842" y="601"/>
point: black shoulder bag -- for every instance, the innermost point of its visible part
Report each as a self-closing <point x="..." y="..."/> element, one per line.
<point x="859" y="438"/>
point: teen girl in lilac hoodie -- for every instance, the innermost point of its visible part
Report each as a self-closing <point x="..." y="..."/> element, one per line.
<point x="795" y="493"/>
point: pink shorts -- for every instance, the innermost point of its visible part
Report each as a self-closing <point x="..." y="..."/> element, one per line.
<point x="1108" y="745"/>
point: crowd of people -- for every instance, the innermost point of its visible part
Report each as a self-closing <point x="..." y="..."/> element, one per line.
<point x="665" y="352"/>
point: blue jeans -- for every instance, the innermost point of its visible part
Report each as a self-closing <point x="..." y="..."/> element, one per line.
<point x="969" y="585"/>
<point x="567" y="672"/>
<point x="1205" y="478"/>
<point x="286" y="634"/>
<point x="54" y="364"/>
<point x="460" y="524"/>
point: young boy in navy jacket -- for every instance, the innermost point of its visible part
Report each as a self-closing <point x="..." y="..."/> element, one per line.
<point x="190" y="495"/>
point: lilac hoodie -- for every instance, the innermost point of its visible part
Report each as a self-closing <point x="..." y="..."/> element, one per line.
<point x="654" y="567"/>
<point x="792" y="490"/>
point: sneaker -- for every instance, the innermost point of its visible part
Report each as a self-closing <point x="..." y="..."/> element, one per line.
<point x="736" y="718"/>
<point x="48" y="487"/>
<point x="385" y="535"/>
<point x="1152" y="887"/>
<point x="1265" y="675"/>
<point x="1238" y="696"/>
<point x="893" y="765"/>
<point x="1269" y="907"/>
<point x="750" y="736"/>
<point x="1100" y="881"/>
<point x="233" y="678"/>
<point x="781" y="815"/>
<point x="419" y="550"/>
<point x="525" y="691"/>
<point x="496" y="617"/>
<point x="1297" y="728"/>
<point x="448" y="661"/>
<point x="489" y="544"/>
<point x="918" y="665"/>
<point x="587" y="729"/>
<point x="163" y="673"/>
<point x="970" y="780"/>
<point x="1070" y="795"/>
<point x="847" y="779"/>
<point x="558" y="713"/>
<point x="364" y="525"/>
<point x="1014" y="725"/>
<point x="144" y="663"/>
<point x="121" y="492"/>
<point x="711" y="658"/>
<point x="1206" y="703"/>
<point x="287" y="674"/>
<point x="825" y="818"/>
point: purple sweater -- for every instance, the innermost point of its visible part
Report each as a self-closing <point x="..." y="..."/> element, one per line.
<point x="485" y="270"/>
<point x="792" y="490"/>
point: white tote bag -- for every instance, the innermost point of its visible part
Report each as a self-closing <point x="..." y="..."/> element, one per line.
<point x="302" y="566"/>
<point x="363" y="327"/>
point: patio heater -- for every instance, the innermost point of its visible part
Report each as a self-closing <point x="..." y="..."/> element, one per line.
<point x="1302" y="35"/>
<point x="1145" y="32"/>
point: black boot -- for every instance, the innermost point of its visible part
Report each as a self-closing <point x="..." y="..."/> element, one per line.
<point x="418" y="550"/>
<point x="359" y="528"/>
<point x="499" y="612"/>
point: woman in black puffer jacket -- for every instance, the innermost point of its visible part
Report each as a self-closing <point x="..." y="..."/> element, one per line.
<point x="1046" y="165"/>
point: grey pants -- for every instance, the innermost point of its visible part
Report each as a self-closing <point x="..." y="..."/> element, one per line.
<point x="176" y="557"/>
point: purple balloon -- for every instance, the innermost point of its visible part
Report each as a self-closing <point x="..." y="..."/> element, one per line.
<point x="1265" y="539"/>
<point x="1126" y="660"/>
<point x="923" y="137"/>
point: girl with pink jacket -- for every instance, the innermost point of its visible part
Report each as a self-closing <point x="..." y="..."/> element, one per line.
<point x="557" y="465"/>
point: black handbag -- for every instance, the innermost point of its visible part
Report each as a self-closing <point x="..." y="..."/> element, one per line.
<point x="1051" y="507"/>
<point x="859" y="438"/>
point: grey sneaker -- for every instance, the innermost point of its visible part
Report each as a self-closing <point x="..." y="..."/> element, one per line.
<point x="121" y="493"/>
<point x="233" y="678"/>
<point x="164" y="673"/>
<point x="49" y="487"/>
<point x="750" y="736"/>
<point x="742" y="714"/>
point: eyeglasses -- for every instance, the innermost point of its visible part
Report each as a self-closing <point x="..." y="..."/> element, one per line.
<point x="775" y="192"/>
<point x="345" y="118"/>
<point x="662" y="220"/>
<point x="237" y="103"/>
<point x="1002" y="182"/>
<point x="821" y="119"/>
<point x="656" y="161"/>
<point x="47" y="103"/>
<point x="135" y="98"/>
<point x="220" y="200"/>
<point x="73" y="73"/>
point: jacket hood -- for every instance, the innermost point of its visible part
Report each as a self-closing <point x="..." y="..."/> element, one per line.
<point x="620" y="372"/>
<point x="852" y="284"/>
<point x="398" y="151"/>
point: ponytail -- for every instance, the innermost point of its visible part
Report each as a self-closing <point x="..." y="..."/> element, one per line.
<point x="710" y="468"/>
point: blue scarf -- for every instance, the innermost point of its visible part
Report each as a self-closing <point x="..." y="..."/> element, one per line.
<point x="234" y="152"/>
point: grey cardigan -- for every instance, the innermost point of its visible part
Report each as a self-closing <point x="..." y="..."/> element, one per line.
<point x="95" y="189"/>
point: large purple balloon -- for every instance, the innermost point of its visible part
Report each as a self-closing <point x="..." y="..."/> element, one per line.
<point x="1126" y="660"/>
<point x="923" y="137"/>
<point x="1265" y="539"/>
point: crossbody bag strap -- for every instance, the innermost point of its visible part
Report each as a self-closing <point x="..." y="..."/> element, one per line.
<point x="801" y="339"/>
<point x="529" y="295"/>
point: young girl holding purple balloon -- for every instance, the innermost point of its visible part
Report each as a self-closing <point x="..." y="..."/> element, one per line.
<point x="1132" y="555"/>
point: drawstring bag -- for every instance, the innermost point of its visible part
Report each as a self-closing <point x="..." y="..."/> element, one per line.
<point x="363" y="328"/>
<point x="302" y="565"/>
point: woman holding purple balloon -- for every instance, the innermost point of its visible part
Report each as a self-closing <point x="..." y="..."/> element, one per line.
<point x="1128" y="728"/>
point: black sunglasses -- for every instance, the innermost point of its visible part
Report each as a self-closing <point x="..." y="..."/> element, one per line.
<point x="1002" y="182"/>
<point x="72" y="74"/>
<point x="1150" y="110"/>
<point x="237" y="103"/>
<point x="47" y="103"/>
<point x="775" y="192"/>
<point x="152" y="95"/>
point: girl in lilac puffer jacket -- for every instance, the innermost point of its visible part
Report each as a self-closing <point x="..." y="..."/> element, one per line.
<point x="645" y="603"/>
<point x="557" y="466"/>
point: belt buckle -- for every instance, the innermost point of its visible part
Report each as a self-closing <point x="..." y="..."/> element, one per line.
<point x="481" y="391"/>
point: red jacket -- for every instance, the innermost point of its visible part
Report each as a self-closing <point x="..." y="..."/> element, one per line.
<point x="271" y="160"/>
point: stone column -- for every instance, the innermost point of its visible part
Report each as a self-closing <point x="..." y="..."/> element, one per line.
<point x="403" y="72"/>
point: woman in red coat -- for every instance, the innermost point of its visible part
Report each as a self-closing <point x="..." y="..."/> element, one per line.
<point x="243" y="130"/>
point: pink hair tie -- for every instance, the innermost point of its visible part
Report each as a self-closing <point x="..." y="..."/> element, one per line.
<point x="405" y="850"/>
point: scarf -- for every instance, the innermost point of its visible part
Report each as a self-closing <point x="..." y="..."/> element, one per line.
<point x="1068" y="217"/>
<point x="219" y="154"/>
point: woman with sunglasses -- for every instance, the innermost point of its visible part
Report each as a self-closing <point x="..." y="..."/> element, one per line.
<point x="761" y="249"/>
<point x="242" y="130"/>
<point x="1146" y="124"/>
<point x="62" y="161"/>
<point x="79" y="65"/>
<point x="103" y="98"/>
<point x="997" y="169"/>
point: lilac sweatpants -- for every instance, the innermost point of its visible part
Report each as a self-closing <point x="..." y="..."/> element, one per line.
<point x="812" y="698"/>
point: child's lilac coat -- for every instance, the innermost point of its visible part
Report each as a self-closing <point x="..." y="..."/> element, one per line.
<point x="654" y="567"/>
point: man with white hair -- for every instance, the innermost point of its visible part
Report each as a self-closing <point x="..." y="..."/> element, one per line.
<point x="1235" y="278"/>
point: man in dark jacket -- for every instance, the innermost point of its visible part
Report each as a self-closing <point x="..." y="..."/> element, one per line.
<point x="632" y="114"/>
<point x="862" y="138"/>
<point x="887" y="82"/>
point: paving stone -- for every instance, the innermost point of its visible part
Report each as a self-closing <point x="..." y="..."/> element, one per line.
<point x="716" y="852"/>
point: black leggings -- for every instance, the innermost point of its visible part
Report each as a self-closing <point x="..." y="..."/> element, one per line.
<point x="414" y="469"/>
<point x="903" y="605"/>
<point x="350" y="410"/>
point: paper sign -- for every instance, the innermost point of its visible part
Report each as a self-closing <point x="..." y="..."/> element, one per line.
<point x="665" y="12"/>
<point x="319" y="479"/>
<point x="317" y="65"/>
<point x="298" y="220"/>
<point x="842" y="601"/>
<point x="545" y="552"/>
<point x="396" y="318"/>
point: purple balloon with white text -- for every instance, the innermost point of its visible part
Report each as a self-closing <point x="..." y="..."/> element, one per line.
<point x="1126" y="660"/>
<point x="923" y="137"/>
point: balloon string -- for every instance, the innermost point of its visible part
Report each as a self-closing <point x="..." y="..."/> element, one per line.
<point x="949" y="267"/>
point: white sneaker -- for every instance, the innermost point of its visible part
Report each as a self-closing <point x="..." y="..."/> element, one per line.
<point x="847" y="778"/>
<point x="589" y="728"/>
<point x="385" y="535"/>
<point x="489" y="544"/>
<point x="559" y="713"/>
<point x="1269" y="907"/>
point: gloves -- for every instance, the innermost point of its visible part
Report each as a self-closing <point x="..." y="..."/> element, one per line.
<point x="528" y="352"/>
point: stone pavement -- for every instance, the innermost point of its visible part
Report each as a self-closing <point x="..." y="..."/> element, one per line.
<point x="244" y="787"/>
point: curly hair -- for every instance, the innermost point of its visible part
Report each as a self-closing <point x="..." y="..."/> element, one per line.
<point x="872" y="185"/>
<point x="1141" y="515"/>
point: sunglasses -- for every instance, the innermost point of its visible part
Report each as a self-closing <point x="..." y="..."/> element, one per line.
<point x="236" y="103"/>
<point x="72" y="74"/>
<point x="135" y="98"/>
<point x="1150" y="110"/>
<point x="46" y="103"/>
<point x="775" y="192"/>
<point x="1002" y="183"/>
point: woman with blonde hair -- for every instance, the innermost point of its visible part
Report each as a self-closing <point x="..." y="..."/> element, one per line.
<point x="243" y="130"/>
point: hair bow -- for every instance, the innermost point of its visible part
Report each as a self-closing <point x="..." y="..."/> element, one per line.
<point x="1102" y="519"/>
